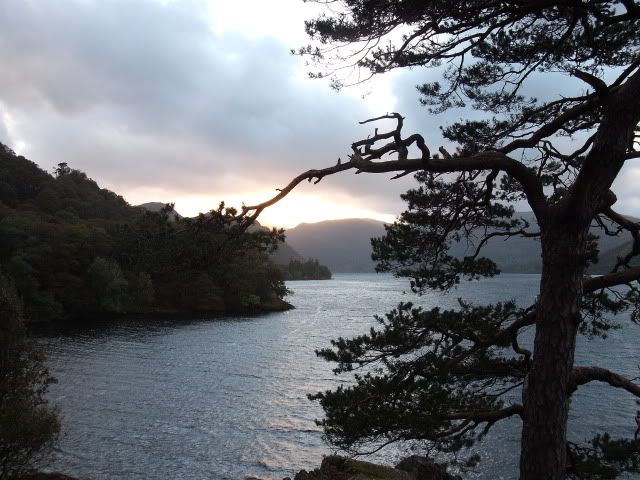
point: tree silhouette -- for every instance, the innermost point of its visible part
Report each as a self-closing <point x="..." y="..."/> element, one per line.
<point x="442" y="376"/>
<point x="28" y="425"/>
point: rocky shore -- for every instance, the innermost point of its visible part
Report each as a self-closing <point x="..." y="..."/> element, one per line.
<point x="341" y="468"/>
<point x="411" y="468"/>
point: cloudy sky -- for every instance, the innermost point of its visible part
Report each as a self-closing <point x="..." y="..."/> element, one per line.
<point x="194" y="102"/>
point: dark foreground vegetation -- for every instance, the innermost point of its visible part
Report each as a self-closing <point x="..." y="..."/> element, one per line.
<point x="28" y="426"/>
<point x="72" y="249"/>
<point x="411" y="468"/>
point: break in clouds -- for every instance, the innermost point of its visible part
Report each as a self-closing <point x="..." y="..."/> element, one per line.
<point x="153" y="103"/>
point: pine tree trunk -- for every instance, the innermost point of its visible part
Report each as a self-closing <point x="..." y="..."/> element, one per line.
<point x="545" y="397"/>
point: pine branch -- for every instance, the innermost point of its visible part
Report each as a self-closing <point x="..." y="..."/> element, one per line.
<point x="584" y="375"/>
<point x="591" y="284"/>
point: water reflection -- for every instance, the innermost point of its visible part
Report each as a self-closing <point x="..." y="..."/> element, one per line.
<point x="226" y="398"/>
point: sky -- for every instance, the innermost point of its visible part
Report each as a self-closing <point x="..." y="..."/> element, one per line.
<point x="195" y="102"/>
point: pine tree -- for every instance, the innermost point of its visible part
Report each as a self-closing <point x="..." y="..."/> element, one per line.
<point x="441" y="376"/>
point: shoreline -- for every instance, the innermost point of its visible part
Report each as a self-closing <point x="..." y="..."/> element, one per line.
<point x="101" y="319"/>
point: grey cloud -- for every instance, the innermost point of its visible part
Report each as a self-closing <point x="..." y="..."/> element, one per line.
<point x="135" y="93"/>
<point x="139" y="94"/>
<point x="76" y="55"/>
<point x="164" y="72"/>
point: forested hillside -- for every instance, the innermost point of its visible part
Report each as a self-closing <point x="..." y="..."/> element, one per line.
<point x="73" y="248"/>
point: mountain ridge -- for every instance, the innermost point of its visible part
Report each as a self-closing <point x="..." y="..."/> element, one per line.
<point x="344" y="246"/>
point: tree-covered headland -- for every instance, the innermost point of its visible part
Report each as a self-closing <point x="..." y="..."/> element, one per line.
<point x="443" y="378"/>
<point x="310" y="269"/>
<point x="72" y="248"/>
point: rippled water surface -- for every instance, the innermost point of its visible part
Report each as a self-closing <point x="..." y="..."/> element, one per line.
<point x="227" y="398"/>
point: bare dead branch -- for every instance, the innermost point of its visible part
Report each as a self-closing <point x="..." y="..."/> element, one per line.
<point x="509" y="333"/>
<point x="633" y="228"/>
<point x="623" y="221"/>
<point x="367" y="158"/>
<point x="526" y="353"/>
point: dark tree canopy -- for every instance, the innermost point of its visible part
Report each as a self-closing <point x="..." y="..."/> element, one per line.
<point x="73" y="248"/>
<point x="445" y="377"/>
<point x="28" y="425"/>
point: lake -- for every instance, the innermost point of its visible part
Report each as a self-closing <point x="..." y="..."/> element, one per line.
<point x="226" y="398"/>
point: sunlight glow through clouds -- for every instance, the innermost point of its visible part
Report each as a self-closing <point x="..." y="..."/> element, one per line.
<point x="191" y="101"/>
<point x="11" y="128"/>
<point x="284" y="22"/>
<point x="294" y="209"/>
<point x="289" y="212"/>
<point x="626" y="188"/>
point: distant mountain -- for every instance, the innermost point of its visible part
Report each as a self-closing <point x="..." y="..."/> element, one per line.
<point x="156" y="207"/>
<point x="345" y="246"/>
<point x="342" y="245"/>
<point x="284" y="254"/>
<point x="152" y="206"/>
<point x="609" y="258"/>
